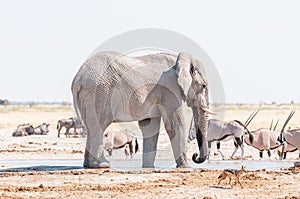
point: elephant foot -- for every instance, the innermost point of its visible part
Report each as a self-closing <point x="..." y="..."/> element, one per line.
<point x="149" y="165"/>
<point x="96" y="164"/>
<point x="182" y="163"/>
<point x="183" y="166"/>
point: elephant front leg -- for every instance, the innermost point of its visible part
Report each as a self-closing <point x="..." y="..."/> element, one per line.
<point x="150" y="129"/>
<point x="175" y="128"/>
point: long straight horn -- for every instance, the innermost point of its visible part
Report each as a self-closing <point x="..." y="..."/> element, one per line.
<point x="249" y="118"/>
<point x="287" y="120"/>
<point x="252" y="116"/>
<point x="271" y="125"/>
<point x="275" y="125"/>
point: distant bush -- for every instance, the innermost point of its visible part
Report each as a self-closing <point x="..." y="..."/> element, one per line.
<point x="4" y="102"/>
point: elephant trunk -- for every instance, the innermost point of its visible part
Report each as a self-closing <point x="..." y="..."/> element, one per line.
<point x="201" y="125"/>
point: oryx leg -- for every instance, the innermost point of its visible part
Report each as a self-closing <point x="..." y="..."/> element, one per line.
<point x="130" y="148"/>
<point x="209" y="149"/>
<point x="238" y="143"/>
<point x="126" y="151"/>
<point x="269" y="153"/>
<point x="260" y="154"/>
<point x="110" y="153"/>
<point x="218" y="148"/>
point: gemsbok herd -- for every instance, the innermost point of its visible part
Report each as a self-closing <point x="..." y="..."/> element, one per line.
<point x="262" y="139"/>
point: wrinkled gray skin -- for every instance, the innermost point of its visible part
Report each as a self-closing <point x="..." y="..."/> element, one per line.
<point x="111" y="87"/>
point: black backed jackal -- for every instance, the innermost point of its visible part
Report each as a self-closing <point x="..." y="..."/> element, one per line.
<point x="232" y="172"/>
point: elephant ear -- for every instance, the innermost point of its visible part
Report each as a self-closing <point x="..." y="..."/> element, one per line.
<point x="184" y="68"/>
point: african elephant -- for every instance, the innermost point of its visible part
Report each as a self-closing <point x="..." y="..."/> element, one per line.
<point x="112" y="87"/>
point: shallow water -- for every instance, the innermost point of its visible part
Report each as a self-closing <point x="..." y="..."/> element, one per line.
<point x="125" y="165"/>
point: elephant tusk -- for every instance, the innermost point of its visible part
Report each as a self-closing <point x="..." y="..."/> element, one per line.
<point x="207" y="111"/>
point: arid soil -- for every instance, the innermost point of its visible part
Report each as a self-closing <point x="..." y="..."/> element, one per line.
<point x="144" y="183"/>
<point x="175" y="183"/>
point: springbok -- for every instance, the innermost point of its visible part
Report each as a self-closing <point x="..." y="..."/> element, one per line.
<point x="119" y="139"/>
<point x="68" y="124"/>
<point x="223" y="131"/>
<point x="266" y="139"/>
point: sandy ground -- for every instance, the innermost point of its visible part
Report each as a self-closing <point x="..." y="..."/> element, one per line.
<point x="144" y="183"/>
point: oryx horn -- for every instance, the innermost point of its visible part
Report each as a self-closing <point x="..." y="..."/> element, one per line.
<point x="250" y="118"/>
<point x="275" y="125"/>
<point x="287" y="120"/>
<point x="271" y="125"/>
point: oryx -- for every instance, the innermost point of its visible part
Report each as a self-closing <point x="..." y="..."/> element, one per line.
<point x="223" y="131"/>
<point x="266" y="139"/>
<point x="119" y="139"/>
<point x="292" y="142"/>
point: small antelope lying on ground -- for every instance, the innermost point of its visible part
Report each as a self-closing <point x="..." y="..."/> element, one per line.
<point x="233" y="172"/>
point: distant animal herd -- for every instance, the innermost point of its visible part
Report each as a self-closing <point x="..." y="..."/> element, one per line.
<point x="75" y="127"/>
<point x="262" y="139"/>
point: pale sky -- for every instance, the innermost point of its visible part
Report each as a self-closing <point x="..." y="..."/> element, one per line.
<point x="255" y="45"/>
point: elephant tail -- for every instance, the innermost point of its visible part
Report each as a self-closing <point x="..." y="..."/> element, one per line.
<point x="75" y="91"/>
<point x="136" y="145"/>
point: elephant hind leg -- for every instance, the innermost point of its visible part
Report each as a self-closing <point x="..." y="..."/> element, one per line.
<point x="94" y="150"/>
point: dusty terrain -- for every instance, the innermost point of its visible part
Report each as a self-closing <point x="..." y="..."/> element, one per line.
<point x="143" y="183"/>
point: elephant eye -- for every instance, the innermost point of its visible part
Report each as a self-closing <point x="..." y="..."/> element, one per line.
<point x="203" y="86"/>
<point x="192" y="69"/>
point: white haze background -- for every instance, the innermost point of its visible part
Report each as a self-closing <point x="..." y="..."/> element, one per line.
<point x="255" y="45"/>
